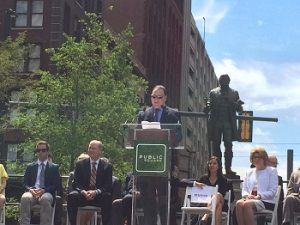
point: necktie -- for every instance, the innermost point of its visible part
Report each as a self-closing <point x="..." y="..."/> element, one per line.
<point x="156" y="115"/>
<point x="93" y="176"/>
<point x="42" y="176"/>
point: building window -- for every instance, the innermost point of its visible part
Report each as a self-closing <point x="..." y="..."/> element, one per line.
<point x="32" y="61"/>
<point x="29" y="13"/>
<point x="14" y="105"/>
<point x="17" y="105"/>
<point x="191" y="93"/>
<point x="191" y="73"/>
<point x="12" y="152"/>
<point x="189" y="133"/>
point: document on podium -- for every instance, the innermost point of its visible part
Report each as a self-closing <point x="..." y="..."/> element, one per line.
<point x="150" y="125"/>
<point x="201" y="195"/>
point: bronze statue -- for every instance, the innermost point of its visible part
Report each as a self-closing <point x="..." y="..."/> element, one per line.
<point x="222" y="106"/>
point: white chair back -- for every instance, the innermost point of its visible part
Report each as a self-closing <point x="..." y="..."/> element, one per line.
<point x="189" y="208"/>
<point x="226" y="215"/>
<point x="2" y="215"/>
<point x="37" y="208"/>
<point x="271" y="213"/>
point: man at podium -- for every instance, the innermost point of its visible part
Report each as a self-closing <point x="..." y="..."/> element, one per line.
<point x="156" y="186"/>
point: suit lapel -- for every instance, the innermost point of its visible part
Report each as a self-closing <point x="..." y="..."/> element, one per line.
<point x="150" y="116"/>
<point x="35" y="170"/>
<point x="99" y="170"/>
<point x="163" y="115"/>
<point x="47" y="171"/>
<point x="88" y="168"/>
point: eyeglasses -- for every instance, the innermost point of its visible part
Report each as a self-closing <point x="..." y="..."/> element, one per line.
<point x="257" y="157"/>
<point x="41" y="150"/>
<point x="157" y="97"/>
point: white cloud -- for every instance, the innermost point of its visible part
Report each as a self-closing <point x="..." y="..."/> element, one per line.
<point x="263" y="86"/>
<point x="260" y="23"/>
<point x="213" y="12"/>
<point x="265" y="135"/>
<point x="270" y="89"/>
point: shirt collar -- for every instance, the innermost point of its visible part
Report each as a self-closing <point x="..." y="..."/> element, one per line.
<point x="92" y="161"/>
<point x="45" y="162"/>
<point x="160" y="109"/>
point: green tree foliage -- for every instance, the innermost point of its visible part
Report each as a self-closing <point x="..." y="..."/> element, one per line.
<point x="92" y="94"/>
<point x="12" y="53"/>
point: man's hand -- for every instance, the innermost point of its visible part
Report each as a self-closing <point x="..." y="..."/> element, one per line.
<point x="89" y="195"/>
<point x="206" y="109"/>
<point x="239" y="105"/>
<point x="37" y="192"/>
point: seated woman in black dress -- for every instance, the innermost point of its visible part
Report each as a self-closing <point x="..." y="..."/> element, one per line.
<point x="213" y="177"/>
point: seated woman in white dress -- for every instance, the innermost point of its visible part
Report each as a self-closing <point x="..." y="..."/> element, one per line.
<point x="259" y="188"/>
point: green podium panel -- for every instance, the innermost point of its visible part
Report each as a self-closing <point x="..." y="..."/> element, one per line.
<point x="151" y="151"/>
<point x="151" y="158"/>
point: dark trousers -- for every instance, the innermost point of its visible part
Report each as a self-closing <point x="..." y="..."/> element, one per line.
<point x="58" y="210"/>
<point x="75" y="200"/>
<point x="225" y="132"/>
<point x="154" y="199"/>
<point x="121" y="209"/>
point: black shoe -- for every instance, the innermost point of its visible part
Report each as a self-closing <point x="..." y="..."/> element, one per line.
<point x="230" y="172"/>
<point x="202" y="222"/>
<point x="286" y="223"/>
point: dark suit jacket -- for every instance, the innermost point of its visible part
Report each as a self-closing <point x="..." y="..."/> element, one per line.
<point x="128" y="185"/>
<point x="82" y="176"/>
<point x="216" y="100"/>
<point x="168" y="116"/>
<point x="52" y="177"/>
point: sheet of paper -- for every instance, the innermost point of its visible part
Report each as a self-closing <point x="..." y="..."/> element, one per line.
<point x="201" y="195"/>
<point x="150" y="125"/>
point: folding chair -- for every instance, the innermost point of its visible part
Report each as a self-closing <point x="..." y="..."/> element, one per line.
<point x="226" y="215"/>
<point x="96" y="214"/>
<point x="190" y="206"/>
<point x="2" y="215"/>
<point x="271" y="214"/>
<point x="2" y="212"/>
<point x="36" y="209"/>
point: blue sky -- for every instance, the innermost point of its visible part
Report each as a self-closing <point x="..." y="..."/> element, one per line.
<point x="257" y="43"/>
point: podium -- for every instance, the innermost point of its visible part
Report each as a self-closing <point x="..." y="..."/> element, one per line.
<point x="152" y="148"/>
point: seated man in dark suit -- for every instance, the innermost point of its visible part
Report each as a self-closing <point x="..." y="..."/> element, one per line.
<point x="272" y="161"/>
<point x="41" y="181"/>
<point x="92" y="184"/>
<point x="58" y="199"/>
<point x="291" y="203"/>
<point x="122" y="207"/>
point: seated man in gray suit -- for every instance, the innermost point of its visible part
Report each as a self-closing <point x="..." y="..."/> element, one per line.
<point x="41" y="181"/>
<point x="291" y="202"/>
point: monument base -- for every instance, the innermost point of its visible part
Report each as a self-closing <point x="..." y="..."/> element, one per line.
<point x="232" y="176"/>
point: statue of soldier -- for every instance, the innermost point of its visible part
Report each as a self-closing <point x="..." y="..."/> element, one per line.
<point x="222" y="106"/>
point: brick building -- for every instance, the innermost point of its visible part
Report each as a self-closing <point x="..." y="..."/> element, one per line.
<point x="45" y="22"/>
<point x="168" y="50"/>
<point x="157" y="41"/>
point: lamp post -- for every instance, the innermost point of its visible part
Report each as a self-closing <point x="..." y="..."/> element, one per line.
<point x="204" y="31"/>
<point x="9" y="15"/>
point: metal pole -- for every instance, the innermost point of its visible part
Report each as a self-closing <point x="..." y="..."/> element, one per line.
<point x="9" y="15"/>
<point x="204" y="31"/>
<point x="289" y="163"/>
<point x="254" y="118"/>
